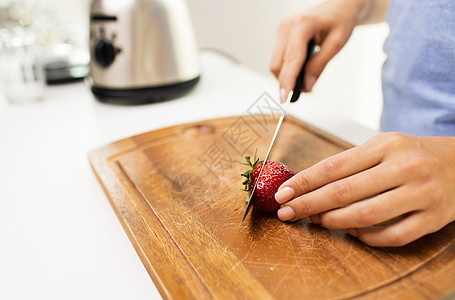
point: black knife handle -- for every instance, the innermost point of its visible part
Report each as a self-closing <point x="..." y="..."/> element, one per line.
<point x="299" y="82"/>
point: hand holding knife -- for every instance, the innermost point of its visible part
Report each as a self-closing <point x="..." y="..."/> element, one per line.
<point x="293" y="96"/>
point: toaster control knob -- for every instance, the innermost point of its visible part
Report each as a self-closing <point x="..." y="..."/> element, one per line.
<point x="104" y="53"/>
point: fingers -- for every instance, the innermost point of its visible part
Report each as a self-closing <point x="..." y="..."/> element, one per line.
<point x="294" y="55"/>
<point x="398" y="234"/>
<point x="329" y="48"/>
<point x="373" y="211"/>
<point x="328" y="24"/>
<point x="291" y="50"/>
<point x="339" y="166"/>
<point x="341" y="193"/>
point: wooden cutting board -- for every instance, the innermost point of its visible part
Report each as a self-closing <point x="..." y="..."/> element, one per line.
<point x="177" y="192"/>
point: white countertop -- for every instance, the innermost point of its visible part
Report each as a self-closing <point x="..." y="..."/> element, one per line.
<point x="60" y="237"/>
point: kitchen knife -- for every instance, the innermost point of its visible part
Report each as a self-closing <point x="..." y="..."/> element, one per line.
<point x="293" y="96"/>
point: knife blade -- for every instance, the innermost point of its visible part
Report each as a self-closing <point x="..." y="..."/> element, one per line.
<point x="293" y="96"/>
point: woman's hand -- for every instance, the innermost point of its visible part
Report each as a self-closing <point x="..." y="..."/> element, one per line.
<point x="391" y="175"/>
<point x="329" y="25"/>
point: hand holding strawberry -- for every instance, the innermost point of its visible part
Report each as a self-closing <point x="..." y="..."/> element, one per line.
<point x="391" y="175"/>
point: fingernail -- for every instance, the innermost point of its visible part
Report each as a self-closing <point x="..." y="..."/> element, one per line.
<point x="284" y="194"/>
<point x="286" y="213"/>
<point x="282" y="95"/>
<point x="352" y="231"/>
<point x="309" y="83"/>
<point x="316" y="219"/>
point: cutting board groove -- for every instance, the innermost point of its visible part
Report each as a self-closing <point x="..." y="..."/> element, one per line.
<point x="177" y="193"/>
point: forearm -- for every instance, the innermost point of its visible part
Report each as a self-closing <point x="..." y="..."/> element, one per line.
<point x="372" y="11"/>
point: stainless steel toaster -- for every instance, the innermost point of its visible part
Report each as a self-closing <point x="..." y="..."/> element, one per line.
<point x="141" y="50"/>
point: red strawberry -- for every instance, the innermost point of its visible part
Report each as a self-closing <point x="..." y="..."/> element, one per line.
<point x="273" y="175"/>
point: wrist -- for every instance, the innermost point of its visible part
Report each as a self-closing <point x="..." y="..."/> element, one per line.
<point x="358" y="9"/>
<point x="372" y="11"/>
<point x="365" y="7"/>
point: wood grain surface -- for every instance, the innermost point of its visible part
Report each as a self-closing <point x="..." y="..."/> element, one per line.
<point x="177" y="192"/>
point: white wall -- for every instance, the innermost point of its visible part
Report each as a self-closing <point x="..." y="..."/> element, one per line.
<point x="246" y="30"/>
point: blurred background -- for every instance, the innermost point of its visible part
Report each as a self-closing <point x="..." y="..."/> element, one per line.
<point x="244" y="30"/>
<point x="56" y="30"/>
